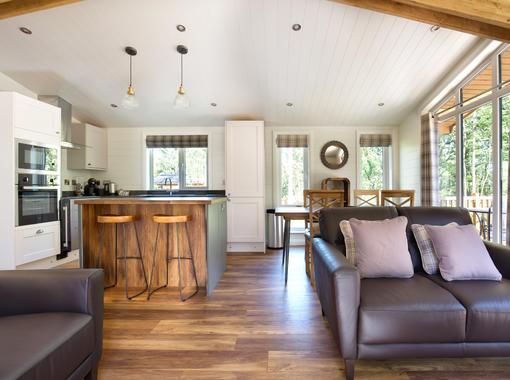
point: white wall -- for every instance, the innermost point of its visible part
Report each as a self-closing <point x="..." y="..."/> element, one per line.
<point x="320" y="135"/>
<point x="410" y="161"/>
<point x="9" y="84"/>
<point x="127" y="155"/>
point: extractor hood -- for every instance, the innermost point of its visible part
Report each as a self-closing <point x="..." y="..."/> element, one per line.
<point x="66" y="116"/>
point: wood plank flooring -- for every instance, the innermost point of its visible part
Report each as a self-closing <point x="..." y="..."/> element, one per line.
<point x="252" y="327"/>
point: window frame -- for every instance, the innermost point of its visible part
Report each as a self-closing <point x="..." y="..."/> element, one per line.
<point x="494" y="97"/>
<point x="277" y="164"/>
<point x="390" y="157"/>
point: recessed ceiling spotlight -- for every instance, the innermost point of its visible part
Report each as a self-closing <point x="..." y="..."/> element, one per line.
<point x="113" y="105"/>
<point x="181" y="28"/>
<point x="380" y="104"/>
<point x="289" y="104"/>
<point x="213" y="104"/>
<point x="296" y="27"/>
<point x="25" y="30"/>
<point x="435" y="28"/>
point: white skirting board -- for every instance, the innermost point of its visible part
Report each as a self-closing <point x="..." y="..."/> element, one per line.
<point x="51" y="262"/>
<point x="246" y="247"/>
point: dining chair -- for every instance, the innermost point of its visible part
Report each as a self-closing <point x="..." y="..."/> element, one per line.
<point x="337" y="183"/>
<point x="397" y="198"/>
<point x="366" y="198"/>
<point x="316" y="201"/>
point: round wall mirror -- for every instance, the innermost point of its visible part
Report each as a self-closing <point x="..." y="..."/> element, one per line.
<point x="334" y="155"/>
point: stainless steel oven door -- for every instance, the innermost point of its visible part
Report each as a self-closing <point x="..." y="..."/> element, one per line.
<point x="36" y="204"/>
<point x="33" y="156"/>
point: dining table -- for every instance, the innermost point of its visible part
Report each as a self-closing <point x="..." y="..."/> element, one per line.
<point x="289" y="214"/>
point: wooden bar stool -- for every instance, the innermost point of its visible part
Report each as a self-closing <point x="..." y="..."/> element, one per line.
<point x="175" y="220"/>
<point x="121" y="219"/>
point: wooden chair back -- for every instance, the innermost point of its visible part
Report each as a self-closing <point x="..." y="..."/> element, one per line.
<point x="334" y="183"/>
<point x="389" y="198"/>
<point x="366" y="198"/>
<point x="321" y="199"/>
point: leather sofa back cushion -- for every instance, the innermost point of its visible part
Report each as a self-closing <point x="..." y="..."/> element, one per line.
<point x="461" y="253"/>
<point x="381" y="248"/>
<point x="329" y="220"/>
<point x="436" y="216"/>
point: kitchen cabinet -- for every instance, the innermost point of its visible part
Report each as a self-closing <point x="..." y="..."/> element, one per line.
<point x="37" y="242"/>
<point x="35" y="116"/>
<point x="244" y="183"/>
<point x="94" y="152"/>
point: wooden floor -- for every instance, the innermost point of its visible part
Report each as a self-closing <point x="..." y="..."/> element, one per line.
<point x="252" y="327"/>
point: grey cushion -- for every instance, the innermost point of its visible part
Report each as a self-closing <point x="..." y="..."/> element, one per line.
<point x="414" y="310"/>
<point x="44" y="345"/>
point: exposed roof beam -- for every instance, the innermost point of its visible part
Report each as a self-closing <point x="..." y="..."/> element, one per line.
<point x="451" y="14"/>
<point x="11" y="8"/>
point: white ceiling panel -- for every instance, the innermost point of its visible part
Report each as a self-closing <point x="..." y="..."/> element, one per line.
<point x="243" y="55"/>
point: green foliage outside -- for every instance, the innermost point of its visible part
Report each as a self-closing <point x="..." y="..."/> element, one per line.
<point x="166" y="162"/>
<point x="372" y="159"/>
<point x="292" y="180"/>
<point x="477" y="154"/>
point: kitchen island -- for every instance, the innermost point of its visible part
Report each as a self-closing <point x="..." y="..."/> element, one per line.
<point x="207" y="230"/>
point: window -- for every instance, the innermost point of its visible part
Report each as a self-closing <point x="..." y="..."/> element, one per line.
<point x="292" y="169"/>
<point x="447" y="163"/>
<point x="375" y="157"/>
<point x="178" y="162"/>
<point x="473" y="145"/>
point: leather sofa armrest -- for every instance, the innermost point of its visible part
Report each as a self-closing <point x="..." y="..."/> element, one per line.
<point x="338" y="287"/>
<point x="500" y="254"/>
<point x="55" y="290"/>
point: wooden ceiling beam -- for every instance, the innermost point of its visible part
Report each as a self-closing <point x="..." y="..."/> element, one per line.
<point x="12" y="8"/>
<point x="462" y="22"/>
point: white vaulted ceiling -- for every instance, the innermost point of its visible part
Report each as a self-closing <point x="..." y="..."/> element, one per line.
<point x="243" y="55"/>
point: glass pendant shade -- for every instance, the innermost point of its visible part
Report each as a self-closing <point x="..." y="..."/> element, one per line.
<point x="130" y="101"/>
<point x="181" y="99"/>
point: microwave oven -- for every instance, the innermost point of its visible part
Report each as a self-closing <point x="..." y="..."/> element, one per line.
<point x="35" y="157"/>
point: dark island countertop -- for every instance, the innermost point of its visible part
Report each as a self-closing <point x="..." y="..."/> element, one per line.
<point x="150" y="200"/>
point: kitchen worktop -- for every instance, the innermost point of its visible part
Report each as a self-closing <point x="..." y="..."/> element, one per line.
<point x="150" y="200"/>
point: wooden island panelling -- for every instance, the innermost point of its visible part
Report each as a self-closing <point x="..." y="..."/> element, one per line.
<point x="207" y="230"/>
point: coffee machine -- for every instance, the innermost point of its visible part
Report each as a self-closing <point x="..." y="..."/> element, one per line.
<point x="91" y="188"/>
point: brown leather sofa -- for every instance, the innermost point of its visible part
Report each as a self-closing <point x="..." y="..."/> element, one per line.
<point x="51" y="324"/>
<point x="423" y="316"/>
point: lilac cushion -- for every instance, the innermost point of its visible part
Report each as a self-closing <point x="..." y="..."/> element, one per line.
<point x="461" y="253"/>
<point x="381" y="248"/>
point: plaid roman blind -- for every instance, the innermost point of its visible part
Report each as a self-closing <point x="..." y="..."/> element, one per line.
<point x="370" y="139"/>
<point x="176" y="141"/>
<point x="292" y="141"/>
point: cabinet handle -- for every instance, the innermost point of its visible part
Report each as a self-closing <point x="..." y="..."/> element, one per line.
<point x="40" y="231"/>
<point x="57" y="132"/>
<point x="89" y="164"/>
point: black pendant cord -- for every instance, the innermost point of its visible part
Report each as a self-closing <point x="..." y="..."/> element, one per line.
<point x="182" y="70"/>
<point x="130" y="70"/>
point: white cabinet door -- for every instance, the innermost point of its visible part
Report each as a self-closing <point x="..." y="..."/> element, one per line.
<point x="33" y="115"/>
<point x="245" y="220"/>
<point x="37" y="242"/>
<point x="244" y="147"/>
<point x="96" y="151"/>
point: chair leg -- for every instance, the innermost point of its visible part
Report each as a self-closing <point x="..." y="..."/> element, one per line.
<point x="312" y="277"/>
<point x="141" y="257"/>
<point x="125" y="265"/>
<point x="307" y="256"/>
<point x="349" y="369"/>
<point x="192" y="262"/>
<point x="100" y="247"/>
<point x="153" y="264"/>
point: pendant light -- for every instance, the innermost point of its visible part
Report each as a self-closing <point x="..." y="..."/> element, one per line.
<point x="181" y="99"/>
<point x="130" y="101"/>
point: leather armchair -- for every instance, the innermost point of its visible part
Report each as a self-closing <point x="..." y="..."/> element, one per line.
<point x="59" y="294"/>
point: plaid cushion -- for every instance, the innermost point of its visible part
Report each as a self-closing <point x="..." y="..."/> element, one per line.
<point x="350" y="249"/>
<point x="427" y="252"/>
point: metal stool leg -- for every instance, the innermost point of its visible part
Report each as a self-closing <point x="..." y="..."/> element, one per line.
<point x="98" y="261"/>
<point x="100" y="247"/>
<point x="192" y="262"/>
<point x="179" y="260"/>
<point x="125" y="264"/>
<point x="154" y="264"/>
<point x="141" y="257"/>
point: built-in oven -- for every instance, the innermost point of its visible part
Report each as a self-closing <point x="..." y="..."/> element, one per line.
<point x="37" y="198"/>
<point x="36" y="157"/>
